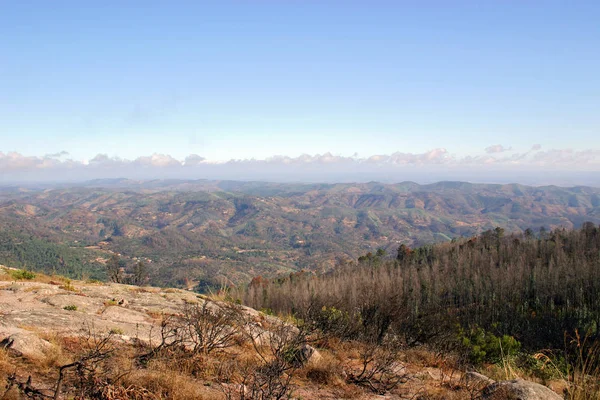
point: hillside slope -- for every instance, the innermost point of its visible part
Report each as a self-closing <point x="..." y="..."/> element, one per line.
<point x="109" y="341"/>
<point x="209" y="231"/>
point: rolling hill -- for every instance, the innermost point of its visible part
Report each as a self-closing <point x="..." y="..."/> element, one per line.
<point x="206" y="232"/>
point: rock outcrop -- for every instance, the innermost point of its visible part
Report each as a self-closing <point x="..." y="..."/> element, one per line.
<point x="25" y="344"/>
<point x="518" y="389"/>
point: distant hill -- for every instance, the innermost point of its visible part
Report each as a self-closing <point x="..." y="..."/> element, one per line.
<point x="205" y="232"/>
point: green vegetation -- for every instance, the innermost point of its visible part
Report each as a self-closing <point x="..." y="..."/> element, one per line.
<point x="68" y="286"/>
<point x="482" y="346"/>
<point x="204" y="233"/>
<point x="488" y="297"/>
<point x="70" y="307"/>
<point x="21" y="274"/>
<point x="19" y="250"/>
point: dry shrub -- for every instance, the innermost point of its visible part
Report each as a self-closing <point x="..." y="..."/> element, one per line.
<point x="380" y="371"/>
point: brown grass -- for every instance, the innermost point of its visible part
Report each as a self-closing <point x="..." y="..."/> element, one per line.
<point x="167" y="384"/>
<point x="6" y="364"/>
<point x="141" y="289"/>
<point x="326" y="371"/>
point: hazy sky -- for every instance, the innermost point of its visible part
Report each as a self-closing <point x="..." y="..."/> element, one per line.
<point x="512" y="84"/>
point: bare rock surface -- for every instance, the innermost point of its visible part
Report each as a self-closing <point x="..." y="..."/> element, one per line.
<point x="121" y="314"/>
<point x="25" y="344"/>
<point x="518" y="389"/>
<point x="28" y="309"/>
<point x="31" y="309"/>
<point x="82" y="303"/>
<point x="476" y="381"/>
<point x="31" y="312"/>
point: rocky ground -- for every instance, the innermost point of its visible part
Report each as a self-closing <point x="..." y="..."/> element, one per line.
<point x="38" y="316"/>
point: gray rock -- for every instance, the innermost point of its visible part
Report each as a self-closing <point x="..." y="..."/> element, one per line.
<point x="475" y="380"/>
<point x="82" y="303"/>
<point x="26" y="344"/>
<point x="120" y="314"/>
<point x="518" y="389"/>
<point x="307" y="353"/>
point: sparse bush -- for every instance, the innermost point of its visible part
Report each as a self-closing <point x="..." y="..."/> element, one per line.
<point x="21" y="274"/>
<point x="380" y="369"/>
<point x="278" y="357"/>
<point x="579" y="366"/>
<point x="481" y="345"/>
<point x="211" y="326"/>
<point x="68" y="286"/>
<point x="70" y="307"/>
<point x="333" y="321"/>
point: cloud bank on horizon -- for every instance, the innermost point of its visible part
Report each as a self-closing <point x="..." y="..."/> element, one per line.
<point x="497" y="165"/>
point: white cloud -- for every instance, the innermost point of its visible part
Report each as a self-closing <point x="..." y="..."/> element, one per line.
<point x="193" y="159"/>
<point x="157" y="160"/>
<point x="16" y="162"/>
<point x="58" y="155"/>
<point x="437" y="162"/>
<point x="567" y="157"/>
<point x="497" y="148"/>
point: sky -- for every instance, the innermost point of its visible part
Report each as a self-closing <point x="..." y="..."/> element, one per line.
<point x="301" y="90"/>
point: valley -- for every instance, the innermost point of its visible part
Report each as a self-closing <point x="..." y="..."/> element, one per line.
<point x="207" y="233"/>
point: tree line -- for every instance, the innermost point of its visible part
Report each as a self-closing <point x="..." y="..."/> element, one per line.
<point x="531" y="288"/>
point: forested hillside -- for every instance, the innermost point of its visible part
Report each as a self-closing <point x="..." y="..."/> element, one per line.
<point x="514" y="289"/>
<point x="208" y="232"/>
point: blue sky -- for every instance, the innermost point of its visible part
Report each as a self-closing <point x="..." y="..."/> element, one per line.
<point x="255" y="79"/>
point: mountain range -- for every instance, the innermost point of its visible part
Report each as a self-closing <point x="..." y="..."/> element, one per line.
<point x="202" y="232"/>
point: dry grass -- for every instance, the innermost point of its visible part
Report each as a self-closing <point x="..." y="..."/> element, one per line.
<point x="142" y="289"/>
<point x="326" y="371"/>
<point x="68" y="286"/>
<point x="168" y="384"/>
<point x="19" y="275"/>
<point x="6" y="364"/>
<point x="422" y="357"/>
<point x="441" y="394"/>
<point x="184" y="377"/>
<point x="32" y="289"/>
<point x="156" y="315"/>
<point x="347" y="350"/>
<point x="4" y="275"/>
<point x="51" y="360"/>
